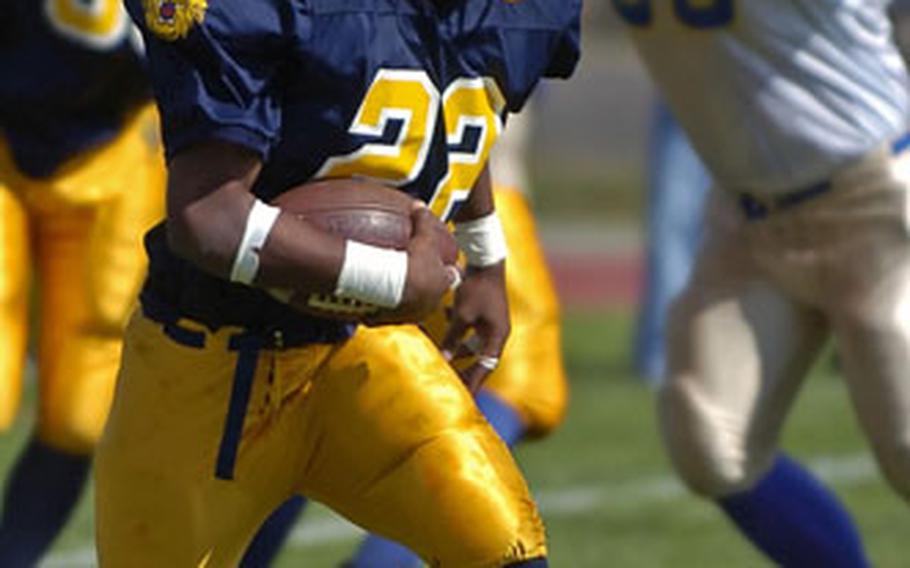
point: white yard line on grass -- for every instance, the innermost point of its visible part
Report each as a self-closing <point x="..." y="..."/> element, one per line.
<point x="842" y="471"/>
<point x="838" y="470"/>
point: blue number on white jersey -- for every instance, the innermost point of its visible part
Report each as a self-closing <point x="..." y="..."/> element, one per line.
<point x="640" y="12"/>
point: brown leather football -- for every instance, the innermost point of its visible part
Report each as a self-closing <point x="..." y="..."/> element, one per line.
<point x="357" y="209"/>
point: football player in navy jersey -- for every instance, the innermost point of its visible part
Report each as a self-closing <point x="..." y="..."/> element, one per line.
<point x="229" y="402"/>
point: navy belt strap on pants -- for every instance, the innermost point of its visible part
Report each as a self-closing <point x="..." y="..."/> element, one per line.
<point x="248" y="348"/>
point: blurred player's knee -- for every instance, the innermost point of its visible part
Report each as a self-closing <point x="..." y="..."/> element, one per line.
<point x="531" y="377"/>
<point x="14" y="265"/>
<point x="13" y="336"/>
<point x="447" y="461"/>
<point x="75" y="402"/>
<point x="711" y="453"/>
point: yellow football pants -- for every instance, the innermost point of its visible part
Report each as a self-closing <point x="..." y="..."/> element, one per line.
<point x="207" y="437"/>
<point x="80" y="231"/>
<point x="531" y="377"/>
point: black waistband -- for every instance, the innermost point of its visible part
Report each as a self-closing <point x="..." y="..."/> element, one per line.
<point x="175" y="290"/>
<point x="274" y="338"/>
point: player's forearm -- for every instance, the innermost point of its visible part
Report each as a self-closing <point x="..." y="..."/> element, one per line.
<point x="300" y="256"/>
<point x="478" y="231"/>
<point x="480" y="201"/>
<point x="209" y="212"/>
<point x="205" y="230"/>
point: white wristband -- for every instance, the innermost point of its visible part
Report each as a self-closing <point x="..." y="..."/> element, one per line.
<point x="372" y="274"/>
<point x="259" y="223"/>
<point x="482" y="241"/>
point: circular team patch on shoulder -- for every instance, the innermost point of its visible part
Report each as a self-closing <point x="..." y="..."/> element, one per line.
<point x="172" y="19"/>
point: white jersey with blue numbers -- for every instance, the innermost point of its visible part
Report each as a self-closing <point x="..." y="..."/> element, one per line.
<point x="775" y="94"/>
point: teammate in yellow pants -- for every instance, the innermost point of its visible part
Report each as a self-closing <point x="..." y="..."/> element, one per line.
<point x="80" y="233"/>
<point x="81" y="179"/>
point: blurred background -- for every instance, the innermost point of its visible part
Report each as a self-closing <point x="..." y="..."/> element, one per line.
<point x="604" y="487"/>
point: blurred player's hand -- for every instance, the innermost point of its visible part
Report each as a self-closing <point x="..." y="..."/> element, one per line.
<point x="479" y="323"/>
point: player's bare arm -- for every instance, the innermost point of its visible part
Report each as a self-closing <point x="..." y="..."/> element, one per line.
<point x="480" y="302"/>
<point x="211" y="208"/>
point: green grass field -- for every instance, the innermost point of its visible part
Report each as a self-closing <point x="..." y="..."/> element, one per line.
<point x="602" y="481"/>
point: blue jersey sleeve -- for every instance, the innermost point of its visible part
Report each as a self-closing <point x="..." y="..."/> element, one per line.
<point x="213" y="68"/>
<point x="537" y="39"/>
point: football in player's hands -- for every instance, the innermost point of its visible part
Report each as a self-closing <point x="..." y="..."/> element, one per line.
<point x="360" y="210"/>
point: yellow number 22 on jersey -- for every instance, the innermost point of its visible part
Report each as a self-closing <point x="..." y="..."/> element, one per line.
<point x="471" y="109"/>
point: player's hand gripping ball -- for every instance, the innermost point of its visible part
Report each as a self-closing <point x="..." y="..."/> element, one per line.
<point x="364" y="211"/>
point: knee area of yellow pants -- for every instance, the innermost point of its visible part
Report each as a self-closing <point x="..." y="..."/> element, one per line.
<point x="488" y="519"/>
<point x="14" y="294"/>
<point x="13" y="339"/>
<point x="74" y="404"/>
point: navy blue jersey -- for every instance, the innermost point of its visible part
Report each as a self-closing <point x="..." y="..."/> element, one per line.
<point x="71" y="76"/>
<point x="411" y="93"/>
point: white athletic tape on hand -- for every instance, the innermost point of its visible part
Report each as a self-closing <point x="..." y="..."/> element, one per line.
<point x="259" y="223"/>
<point x="372" y="274"/>
<point x="482" y="241"/>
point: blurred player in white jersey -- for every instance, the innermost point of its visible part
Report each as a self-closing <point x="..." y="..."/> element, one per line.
<point x="799" y="109"/>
